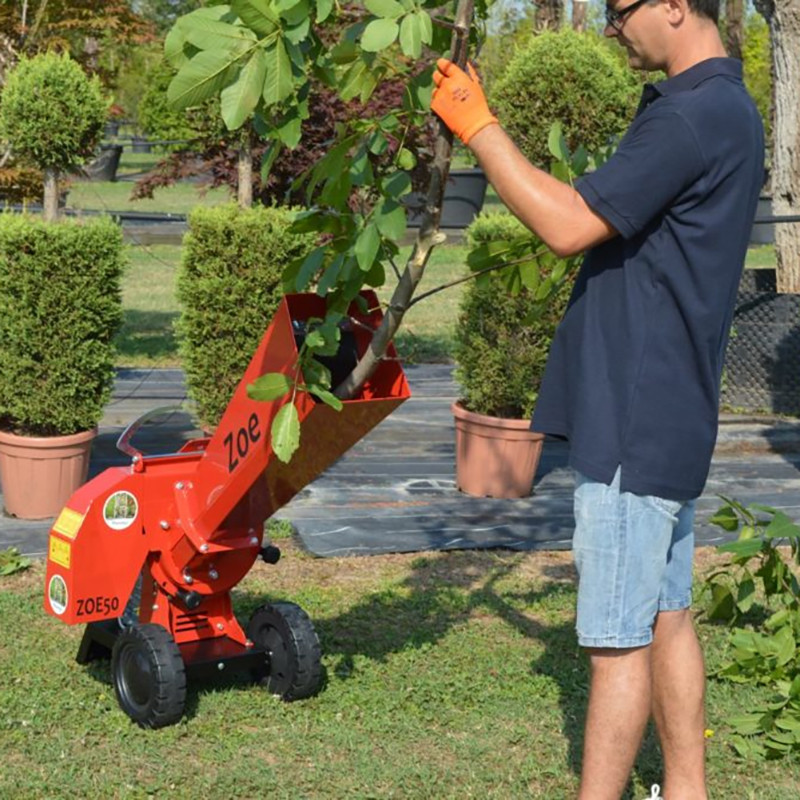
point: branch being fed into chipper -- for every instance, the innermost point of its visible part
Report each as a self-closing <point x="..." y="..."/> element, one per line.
<point x="428" y="237"/>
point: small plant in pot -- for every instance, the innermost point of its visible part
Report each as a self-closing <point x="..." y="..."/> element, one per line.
<point x="61" y="301"/>
<point x="502" y="341"/>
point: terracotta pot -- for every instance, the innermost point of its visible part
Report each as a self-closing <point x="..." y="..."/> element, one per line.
<point x="495" y="457"/>
<point x="39" y="474"/>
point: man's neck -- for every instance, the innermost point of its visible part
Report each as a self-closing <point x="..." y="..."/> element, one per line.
<point x="705" y="44"/>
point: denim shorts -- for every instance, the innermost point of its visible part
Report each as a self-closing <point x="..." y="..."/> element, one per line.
<point x="634" y="557"/>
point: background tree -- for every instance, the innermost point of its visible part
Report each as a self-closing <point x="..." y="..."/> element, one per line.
<point x="52" y="116"/>
<point x="783" y="18"/>
<point x="734" y="27"/>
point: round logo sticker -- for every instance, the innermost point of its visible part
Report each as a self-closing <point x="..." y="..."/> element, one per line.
<point x="120" y="510"/>
<point x="57" y="594"/>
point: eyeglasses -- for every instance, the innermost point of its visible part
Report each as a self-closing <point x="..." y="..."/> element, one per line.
<point x="615" y="18"/>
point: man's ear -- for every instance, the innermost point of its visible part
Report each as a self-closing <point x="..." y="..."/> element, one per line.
<point x="676" y="11"/>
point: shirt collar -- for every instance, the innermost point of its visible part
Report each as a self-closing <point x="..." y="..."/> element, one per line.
<point x="691" y="78"/>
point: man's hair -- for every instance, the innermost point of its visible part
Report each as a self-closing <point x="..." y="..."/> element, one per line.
<point x="705" y="8"/>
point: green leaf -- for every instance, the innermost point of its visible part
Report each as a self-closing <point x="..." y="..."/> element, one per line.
<point x="725" y="518"/>
<point x="745" y="595"/>
<point x="406" y="159"/>
<point x="327" y="397"/>
<point x="746" y="548"/>
<point x="384" y="8"/>
<point x="367" y="246"/>
<point x="256" y="14"/>
<point x="316" y="373"/>
<point x="238" y="101"/>
<point x="529" y="274"/>
<point x="426" y="26"/>
<point x="285" y="432"/>
<point x="379" y="34"/>
<point x="746" y="724"/>
<point x="397" y="184"/>
<point x="722" y="604"/>
<point x="781" y="527"/>
<point x="298" y="34"/>
<point x="211" y="34"/>
<point x="293" y="11"/>
<point x="784" y="639"/>
<point x="324" y="8"/>
<point x="330" y="276"/>
<point x="203" y="77"/>
<point x="174" y="47"/>
<point x="411" y="36"/>
<point x="269" y="387"/>
<point x="557" y="144"/>
<point x="391" y="219"/>
<point x="278" y="84"/>
<point x="353" y="80"/>
<point x="290" y="129"/>
<point x="268" y="159"/>
<point x="310" y="267"/>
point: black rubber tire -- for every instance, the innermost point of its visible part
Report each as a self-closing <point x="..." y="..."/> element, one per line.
<point x="149" y="676"/>
<point x="295" y="656"/>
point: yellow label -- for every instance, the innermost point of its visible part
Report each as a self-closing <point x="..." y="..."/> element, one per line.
<point x="60" y="551"/>
<point x="68" y="523"/>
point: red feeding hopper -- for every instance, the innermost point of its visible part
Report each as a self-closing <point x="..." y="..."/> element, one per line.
<point x="191" y="525"/>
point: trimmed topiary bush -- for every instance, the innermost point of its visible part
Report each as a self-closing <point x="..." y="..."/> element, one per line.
<point x="564" y="77"/>
<point x="500" y="350"/>
<point x="229" y="286"/>
<point x="52" y="115"/>
<point x="61" y="306"/>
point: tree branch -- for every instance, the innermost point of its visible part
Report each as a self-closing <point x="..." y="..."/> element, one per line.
<point x="427" y="237"/>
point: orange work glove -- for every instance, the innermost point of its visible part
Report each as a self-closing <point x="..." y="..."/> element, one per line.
<point x="459" y="100"/>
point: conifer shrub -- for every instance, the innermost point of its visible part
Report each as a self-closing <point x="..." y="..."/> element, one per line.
<point x="61" y="307"/>
<point x="564" y="77"/>
<point x="501" y="346"/>
<point x="229" y="286"/>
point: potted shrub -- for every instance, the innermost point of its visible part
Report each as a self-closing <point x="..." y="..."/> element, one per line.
<point x="61" y="301"/>
<point x="501" y="350"/>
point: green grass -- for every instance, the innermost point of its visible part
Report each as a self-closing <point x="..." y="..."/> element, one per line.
<point x="449" y="675"/>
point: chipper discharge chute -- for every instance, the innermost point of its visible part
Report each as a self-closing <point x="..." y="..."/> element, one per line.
<point x="191" y="525"/>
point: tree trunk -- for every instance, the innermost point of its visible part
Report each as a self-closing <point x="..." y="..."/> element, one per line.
<point x="245" y="168"/>
<point x="579" y="15"/>
<point x="734" y="16"/>
<point x="783" y="17"/>
<point x="549" y="14"/>
<point x="50" y="203"/>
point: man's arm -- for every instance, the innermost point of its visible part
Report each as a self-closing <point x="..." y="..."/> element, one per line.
<point x="551" y="209"/>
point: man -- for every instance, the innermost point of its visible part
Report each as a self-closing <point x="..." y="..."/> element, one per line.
<point x="633" y="377"/>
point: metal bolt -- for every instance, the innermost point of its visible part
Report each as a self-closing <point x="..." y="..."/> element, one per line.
<point x="254" y="540"/>
<point x="220" y="626"/>
<point x="213" y="574"/>
<point x="251" y="530"/>
<point x="187" y="578"/>
<point x="179" y="485"/>
<point x="248" y="643"/>
<point x="164" y="525"/>
<point x="155" y="606"/>
<point x="135" y="459"/>
<point x="220" y="666"/>
<point x="203" y="548"/>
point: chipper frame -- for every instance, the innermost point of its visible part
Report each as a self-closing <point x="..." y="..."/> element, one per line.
<point x="191" y="525"/>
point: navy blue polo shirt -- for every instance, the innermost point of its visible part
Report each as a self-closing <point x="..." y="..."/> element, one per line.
<point x="633" y="375"/>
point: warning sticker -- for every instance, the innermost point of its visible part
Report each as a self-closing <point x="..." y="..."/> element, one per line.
<point x="120" y="510"/>
<point x="68" y="523"/>
<point x="60" y="551"/>
<point x="57" y="594"/>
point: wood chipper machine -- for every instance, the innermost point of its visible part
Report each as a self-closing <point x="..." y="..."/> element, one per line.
<point x="186" y="527"/>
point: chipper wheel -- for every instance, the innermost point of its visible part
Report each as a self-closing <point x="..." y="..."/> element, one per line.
<point x="287" y="634"/>
<point x="149" y="675"/>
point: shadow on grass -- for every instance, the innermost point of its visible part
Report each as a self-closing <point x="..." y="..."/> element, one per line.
<point x="440" y="595"/>
<point x="147" y="334"/>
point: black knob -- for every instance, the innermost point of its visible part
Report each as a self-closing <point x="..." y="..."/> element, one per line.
<point x="270" y="554"/>
<point x="190" y="599"/>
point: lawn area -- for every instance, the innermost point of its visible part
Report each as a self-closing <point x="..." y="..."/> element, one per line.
<point x="427" y="334"/>
<point x="449" y="675"/>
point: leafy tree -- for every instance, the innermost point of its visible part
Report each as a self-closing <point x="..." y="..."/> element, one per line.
<point x="52" y="115"/>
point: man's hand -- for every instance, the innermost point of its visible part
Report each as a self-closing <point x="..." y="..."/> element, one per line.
<point x="459" y="100"/>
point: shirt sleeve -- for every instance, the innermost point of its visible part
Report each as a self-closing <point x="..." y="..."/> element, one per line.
<point x="656" y="161"/>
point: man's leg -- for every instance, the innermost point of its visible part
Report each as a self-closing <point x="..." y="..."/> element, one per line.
<point x="619" y="707"/>
<point x="678" y="704"/>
